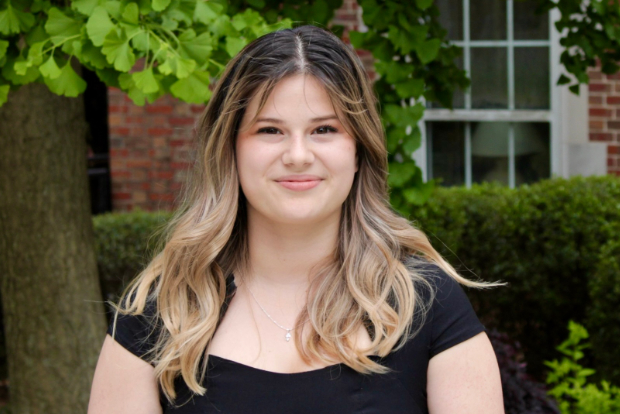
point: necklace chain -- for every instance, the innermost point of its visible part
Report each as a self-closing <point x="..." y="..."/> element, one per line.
<point x="288" y="330"/>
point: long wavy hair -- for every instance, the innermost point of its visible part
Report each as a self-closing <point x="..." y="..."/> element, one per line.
<point x="372" y="278"/>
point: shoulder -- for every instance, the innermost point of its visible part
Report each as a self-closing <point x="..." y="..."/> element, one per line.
<point x="450" y="318"/>
<point x="138" y="333"/>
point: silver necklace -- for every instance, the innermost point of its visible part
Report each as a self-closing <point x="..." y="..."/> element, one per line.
<point x="288" y="330"/>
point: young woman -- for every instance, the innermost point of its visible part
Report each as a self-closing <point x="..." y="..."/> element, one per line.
<point x="287" y="284"/>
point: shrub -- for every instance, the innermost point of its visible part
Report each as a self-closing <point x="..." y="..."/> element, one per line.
<point x="522" y="394"/>
<point x="543" y="239"/>
<point x="124" y="243"/>
<point x="603" y="319"/>
<point x="569" y="378"/>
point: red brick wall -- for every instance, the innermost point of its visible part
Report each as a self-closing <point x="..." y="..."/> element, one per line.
<point x="149" y="146"/>
<point x="604" y="107"/>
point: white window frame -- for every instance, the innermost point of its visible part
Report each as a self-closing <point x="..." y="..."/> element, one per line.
<point x="552" y="116"/>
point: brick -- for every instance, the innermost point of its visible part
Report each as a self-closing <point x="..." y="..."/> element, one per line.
<point x="598" y="87"/>
<point x="615" y="76"/>
<point x="601" y="136"/>
<point x="138" y="175"/>
<point x="595" y="75"/>
<point x="166" y="175"/>
<point x="159" y="131"/>
<point x="613" y="124"/>
<point x="139" y="163"/>
<point x="617" y="87"/>
<point x="181" y="121"/>
<point x="611" y="162"/>
<point x="177" y="142"/>
<point x="118" y="153"/>
<point x="601" y="112"/>
<point x="134" y="119"/>
<point x="120" y="174"/>
<point x="117" y="109"/>
<point x="119" y="131"/>
<point x="159" y="109"/>
<point x="597" y="125"/>
<point x="613" y="149"/>
<point x="159" y="142"/>
<point x="197" y="109"/>
<point x="179" y="165"/>
<point x="595" y="100"/>
<point x="162" y="197"/>
<point x="121" y="196"/>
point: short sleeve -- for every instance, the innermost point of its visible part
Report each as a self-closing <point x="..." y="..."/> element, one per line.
<point x="452" y="317"/>
<point x="136" y="333"/>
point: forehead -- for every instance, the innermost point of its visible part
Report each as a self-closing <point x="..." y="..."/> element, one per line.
<point x="293" y="97"/>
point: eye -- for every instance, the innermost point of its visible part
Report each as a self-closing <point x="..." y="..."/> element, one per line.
<point x="268" y="130"/>
<point x="326" y="129"/>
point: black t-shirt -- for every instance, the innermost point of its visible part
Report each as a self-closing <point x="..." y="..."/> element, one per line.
<point x="235" y="388"/>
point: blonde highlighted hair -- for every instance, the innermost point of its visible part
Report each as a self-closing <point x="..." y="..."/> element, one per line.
<point x="372" y="279"/>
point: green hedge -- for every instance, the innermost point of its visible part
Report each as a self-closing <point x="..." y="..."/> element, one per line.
<point x="545" y="240"/>
<point x="124" y="243"/>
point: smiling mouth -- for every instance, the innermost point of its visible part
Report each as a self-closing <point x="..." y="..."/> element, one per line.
<point x="299" y="185"/>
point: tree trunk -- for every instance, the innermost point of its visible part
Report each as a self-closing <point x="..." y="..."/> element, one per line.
<point x="53" y="313"/>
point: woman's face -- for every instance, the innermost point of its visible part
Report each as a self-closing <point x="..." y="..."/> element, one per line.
<point x="296" y="163"/>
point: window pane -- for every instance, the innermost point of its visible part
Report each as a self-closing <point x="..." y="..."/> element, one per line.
<point x="489" y="78"/>
<point x="532" y="156"/>
<point x="527" y="24"/>
<point x="451" y="17"/>
<point x="487" y="19"/>
<point x="458" y="98"/>
<point x="532" y="78"/>
<point x="489" y="152"/>
<point x="447" y="151"/>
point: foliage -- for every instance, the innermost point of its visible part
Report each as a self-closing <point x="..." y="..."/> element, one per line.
<point x="603" y="318"/>
<point x="522" y="394"/>
<point x="590" y="32"/>
<point x="570" y="380"/>
<point x="543" y="239"/>
<point x="415" y="62"/>
<point x="147" y="48"/>
<point x="123" y="243"/>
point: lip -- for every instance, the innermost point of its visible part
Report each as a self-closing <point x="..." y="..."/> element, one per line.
<point x="299" y="182"/>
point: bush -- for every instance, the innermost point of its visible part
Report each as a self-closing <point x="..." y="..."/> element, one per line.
<point x="124" y="243"/>
<point x="543" y="239"/>
<point x="569" y="379"/>
<point x="522" y="394"/>
<point x="603" y="319"/>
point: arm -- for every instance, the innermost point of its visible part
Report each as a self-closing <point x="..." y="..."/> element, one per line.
<point x="123" y="383"/>
<point x="464" y="379"/>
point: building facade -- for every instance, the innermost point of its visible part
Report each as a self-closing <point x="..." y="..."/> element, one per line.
<point x="513" y="125"/>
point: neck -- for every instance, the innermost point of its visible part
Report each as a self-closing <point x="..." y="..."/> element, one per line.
<point x="282" y="255"/>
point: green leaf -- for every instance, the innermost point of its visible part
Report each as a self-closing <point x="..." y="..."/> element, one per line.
<point x="563" y="80"/>
<point x="145" y="81"/>
<point x="131" y="13"/>
<point x="193" y="89"/>
<point x="109" y="76"/>
<point x="127" y="84"/>
<point x="411" y="88"/>
<point x="234" y="45"/>
<point x="427" y="51"/>
<point x="181" y="67"/>
<point x="4" y="93"/>
<point x="8" y="72"/>
<point x="412" y="142"/>
<point x="50" y="69"/>
<point x="92" y="54"/>
<point x="113" y="8"/>
<point x="68" y="83"/>
<point x="3" y="46"/>
<point x="99" y="25"/>
<point x="194" y="47"/>
<point x="61" y="27"/>
<point x="399" y="174"/>
<point x="142" y="39"/>
<point x="207" y="11"/>
<point x="424" y="4"/>
<point x="14" y="21"/>
<point x="400" y="39"/>
<point x="86" y="7"/>
<point x="420" y="194"/>
<point x="357" y="39"/>
<point x="37" y="34"/>
<point x="118" y="51"/>
<point x="160" y="5"/>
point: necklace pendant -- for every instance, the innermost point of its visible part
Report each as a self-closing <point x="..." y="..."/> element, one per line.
<point x="288" y="335"/>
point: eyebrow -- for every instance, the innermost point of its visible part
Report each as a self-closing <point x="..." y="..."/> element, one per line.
<point x="279" y="121"/>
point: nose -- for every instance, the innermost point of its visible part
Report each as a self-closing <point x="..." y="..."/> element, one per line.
<point x="298" y="152"/>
